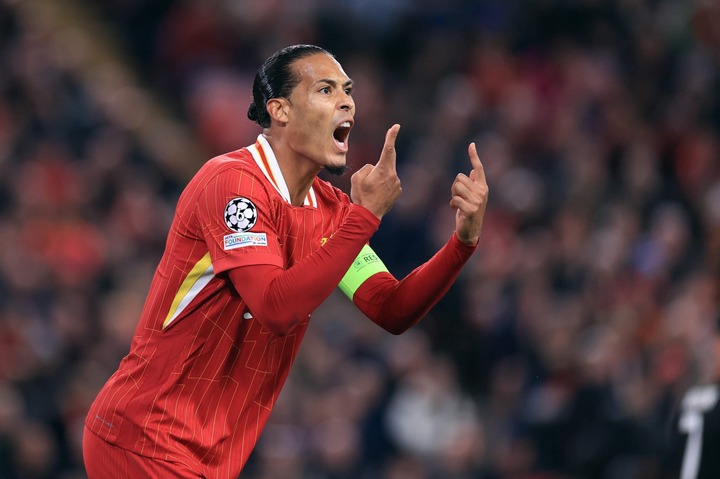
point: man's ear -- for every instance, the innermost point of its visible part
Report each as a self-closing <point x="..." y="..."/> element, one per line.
<point x="278" y="109"/>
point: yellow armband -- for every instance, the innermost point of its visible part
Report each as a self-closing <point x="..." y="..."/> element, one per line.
<point x="365" y="265"/>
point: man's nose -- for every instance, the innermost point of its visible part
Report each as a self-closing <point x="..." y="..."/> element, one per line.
<point x="347" y="104"/>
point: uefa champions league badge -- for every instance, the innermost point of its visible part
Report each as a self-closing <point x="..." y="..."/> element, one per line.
<point x="240" y="214"/>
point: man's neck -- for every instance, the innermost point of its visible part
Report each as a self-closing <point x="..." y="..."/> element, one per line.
<point x="298" y="172"/>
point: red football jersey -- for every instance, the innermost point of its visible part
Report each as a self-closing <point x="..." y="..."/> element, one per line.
<point x="202" y="374"/>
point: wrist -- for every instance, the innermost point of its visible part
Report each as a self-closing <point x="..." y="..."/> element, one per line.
<point x="467" y="242"/>
<point x="366" y="213"/>
<point x="378" y="216"/>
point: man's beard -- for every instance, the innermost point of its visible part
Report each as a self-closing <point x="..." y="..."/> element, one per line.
<point x="337" y="170"/>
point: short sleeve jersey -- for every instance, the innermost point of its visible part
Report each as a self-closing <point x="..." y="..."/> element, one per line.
<point x="202" y="374"/>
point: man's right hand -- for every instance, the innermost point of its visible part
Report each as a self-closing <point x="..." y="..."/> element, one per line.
<point x="377" y="187"/>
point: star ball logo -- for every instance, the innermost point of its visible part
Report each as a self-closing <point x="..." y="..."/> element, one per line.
<point x="240" y="214"/>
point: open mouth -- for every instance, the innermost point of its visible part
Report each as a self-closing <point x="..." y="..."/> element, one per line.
<point x="341" y="134"/>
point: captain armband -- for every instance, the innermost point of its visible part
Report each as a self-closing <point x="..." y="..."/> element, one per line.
<point x="365" y="265"/>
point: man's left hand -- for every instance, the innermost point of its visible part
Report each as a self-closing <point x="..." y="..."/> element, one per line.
<point x="469" y="199"/>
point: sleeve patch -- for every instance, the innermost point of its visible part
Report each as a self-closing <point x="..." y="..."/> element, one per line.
<point x="240" y="214"/>
<point x="241" y="240"/>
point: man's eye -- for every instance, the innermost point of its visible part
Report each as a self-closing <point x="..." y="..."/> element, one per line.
<point x="348" y="91"/>
<point x="325" y="89"/>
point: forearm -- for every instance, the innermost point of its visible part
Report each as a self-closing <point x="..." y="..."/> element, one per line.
<point x="398" y="305"/>
<point x="281" y="298"/>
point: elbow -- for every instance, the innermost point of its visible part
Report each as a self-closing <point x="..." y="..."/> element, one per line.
<point x="280" y="330"/>
<point x="396" y="331"/>
<point x="396" y="326"/>
<point x="281" y="326"/>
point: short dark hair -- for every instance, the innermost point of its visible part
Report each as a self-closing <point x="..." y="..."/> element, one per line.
<point x="276" y="79"/>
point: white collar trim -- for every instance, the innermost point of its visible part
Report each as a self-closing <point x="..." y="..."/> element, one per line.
<point x="272" y="171"/>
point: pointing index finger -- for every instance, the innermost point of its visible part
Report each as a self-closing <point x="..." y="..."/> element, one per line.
<point x="387" y="157"/>
<point x="478" y="169"/>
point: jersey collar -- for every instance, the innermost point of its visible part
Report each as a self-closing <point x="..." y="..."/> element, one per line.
<point x="265" y="158"/>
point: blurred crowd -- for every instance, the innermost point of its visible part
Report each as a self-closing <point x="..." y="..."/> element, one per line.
<point x="564" y="347"/>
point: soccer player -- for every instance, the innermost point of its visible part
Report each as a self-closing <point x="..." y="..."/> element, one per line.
<point x="694" y="444"/>
<point x="258" y="241"/>
<point x="699" y="423"/>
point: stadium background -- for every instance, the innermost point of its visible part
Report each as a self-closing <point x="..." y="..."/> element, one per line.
<point x="564" y="347"/>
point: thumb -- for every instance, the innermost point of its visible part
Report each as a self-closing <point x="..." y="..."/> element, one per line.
<point x="388" y="155"/>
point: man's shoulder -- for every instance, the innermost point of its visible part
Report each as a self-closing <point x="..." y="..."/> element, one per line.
<point x="239" y="163"/>
<point x="241" y="158"/>
<point x="224" y="173"/>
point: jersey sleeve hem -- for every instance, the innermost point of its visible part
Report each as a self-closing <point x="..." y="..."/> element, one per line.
<point x="366" y="214"/>
<point x="463" y="247"/>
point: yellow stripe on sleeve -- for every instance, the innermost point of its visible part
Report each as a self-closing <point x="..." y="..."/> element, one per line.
<point x="199" y="276"/>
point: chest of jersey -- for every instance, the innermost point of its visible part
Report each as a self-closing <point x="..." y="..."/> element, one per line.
<point x="302" y="230"/>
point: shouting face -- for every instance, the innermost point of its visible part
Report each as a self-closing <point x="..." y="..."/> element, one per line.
<point x="320" y="112"/>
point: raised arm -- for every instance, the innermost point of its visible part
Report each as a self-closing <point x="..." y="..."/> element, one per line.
<point x="280" y="298"/>
<point x="398" y="305"/>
